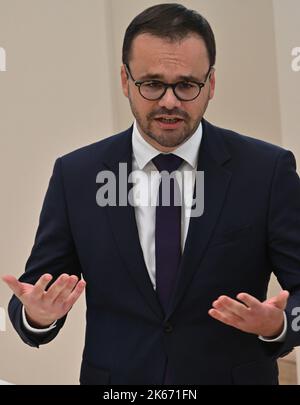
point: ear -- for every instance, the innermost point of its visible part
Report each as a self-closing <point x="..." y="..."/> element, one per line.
<point x="124" y="81"/>
<point x="212" y="83"/>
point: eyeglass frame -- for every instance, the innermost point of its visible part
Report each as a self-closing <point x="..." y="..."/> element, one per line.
<point x="139" y="83"/>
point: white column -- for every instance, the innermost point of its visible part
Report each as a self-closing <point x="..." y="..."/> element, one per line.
<point x="2" y="320"/>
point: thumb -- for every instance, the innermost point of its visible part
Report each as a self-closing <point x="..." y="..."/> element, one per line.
<point x="280" y="300"/>
<point x="13" y="284"/>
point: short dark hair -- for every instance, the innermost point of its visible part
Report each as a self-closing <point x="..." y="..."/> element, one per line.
<point x="171" y="21"/>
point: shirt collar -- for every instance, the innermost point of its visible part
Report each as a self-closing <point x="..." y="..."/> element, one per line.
<point x="144" y="152"/>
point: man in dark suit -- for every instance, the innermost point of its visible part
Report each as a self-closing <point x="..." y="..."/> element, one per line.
<point x="172" y="297"/>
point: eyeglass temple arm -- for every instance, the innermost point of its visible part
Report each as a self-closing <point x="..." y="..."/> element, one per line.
<point x="128" y="72"/>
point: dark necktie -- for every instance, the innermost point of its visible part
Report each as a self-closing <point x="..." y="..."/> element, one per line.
<point x="167" y="229"/>
<point x="167" y="237"/>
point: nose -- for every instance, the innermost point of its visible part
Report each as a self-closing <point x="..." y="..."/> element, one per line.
<point x="169" y="100"/>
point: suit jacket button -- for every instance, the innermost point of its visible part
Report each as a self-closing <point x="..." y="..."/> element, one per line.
<point x="168" y="328"/>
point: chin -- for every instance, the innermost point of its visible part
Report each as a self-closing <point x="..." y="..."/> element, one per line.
<point x="167" y="143"/>
<point x="171" y="140"/>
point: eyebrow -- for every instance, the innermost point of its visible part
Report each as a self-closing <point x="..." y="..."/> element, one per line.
<point x="188" y="78"/>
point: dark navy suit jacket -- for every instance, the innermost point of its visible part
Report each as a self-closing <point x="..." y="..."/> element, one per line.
<point x="249" y="229"/>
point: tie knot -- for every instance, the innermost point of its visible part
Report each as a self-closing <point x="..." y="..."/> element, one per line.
<point x="168" y="162"/>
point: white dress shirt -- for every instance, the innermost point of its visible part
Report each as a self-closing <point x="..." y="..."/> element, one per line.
<point x="142" y="156"/>
<point x="143" y="153"/>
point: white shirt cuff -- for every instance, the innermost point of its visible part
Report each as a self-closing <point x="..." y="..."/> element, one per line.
<point x="282" y="335"/>
<point x="35" y="330"/>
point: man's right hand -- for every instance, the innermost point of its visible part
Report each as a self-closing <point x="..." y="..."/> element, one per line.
<point x="43" y="307"/>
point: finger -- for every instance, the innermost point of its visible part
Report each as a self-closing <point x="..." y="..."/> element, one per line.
<point x="41" y="284"/>
<point x="230" y="320"/>
<point x="73" y="297"/>
<point x="280" y="300"/>
<point x="66" y="291"/>
<point x="225" y="311"/>
<point x="14" y="284"/>
<point x="57" y="287"/>
<point x="232" y="306"/>
<point x="249" y="300"/>
<point x="283" y="295"/>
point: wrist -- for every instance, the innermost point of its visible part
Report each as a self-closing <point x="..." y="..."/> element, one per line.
<point x="38" y="324"/>
<point x="277" y="331"/>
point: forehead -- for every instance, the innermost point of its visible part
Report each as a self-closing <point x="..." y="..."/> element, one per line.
<point x="153" y="53"/>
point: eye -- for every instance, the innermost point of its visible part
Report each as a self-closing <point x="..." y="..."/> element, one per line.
<point x="186" y="85"/>
<point x="153" y="85"/>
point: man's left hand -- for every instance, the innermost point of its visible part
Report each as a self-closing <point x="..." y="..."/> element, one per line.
<point x="250" y="315"/>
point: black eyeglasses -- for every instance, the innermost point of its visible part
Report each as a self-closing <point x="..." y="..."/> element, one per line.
<point x="153" y="90"/>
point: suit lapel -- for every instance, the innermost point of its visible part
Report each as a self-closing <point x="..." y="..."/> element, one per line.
<point x="124" y="227"/>
<point x="212" y="156"/>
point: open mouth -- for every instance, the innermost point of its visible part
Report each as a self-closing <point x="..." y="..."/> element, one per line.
<point x="169" y="123"/>
<point x="169" y="120"/>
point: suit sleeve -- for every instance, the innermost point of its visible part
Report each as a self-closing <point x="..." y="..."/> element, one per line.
<point x="53" y="252"/>
<point x="284" y="240"/>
